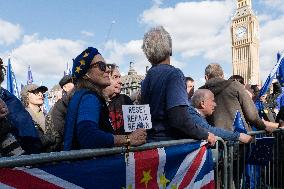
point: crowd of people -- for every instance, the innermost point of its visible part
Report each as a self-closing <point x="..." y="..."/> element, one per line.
<point x="89" y="114"/>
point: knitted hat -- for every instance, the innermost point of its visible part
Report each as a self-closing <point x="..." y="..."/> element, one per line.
<point x="82" y="62"/>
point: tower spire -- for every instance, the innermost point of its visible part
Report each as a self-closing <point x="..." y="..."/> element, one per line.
<point x="243" y="3"/>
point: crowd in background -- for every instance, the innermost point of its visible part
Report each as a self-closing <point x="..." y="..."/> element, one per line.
<point x="89" y="114"/>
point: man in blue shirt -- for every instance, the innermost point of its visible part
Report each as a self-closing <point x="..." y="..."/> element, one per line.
<point x="164" y="90"/>
<point x="203" y="105"/>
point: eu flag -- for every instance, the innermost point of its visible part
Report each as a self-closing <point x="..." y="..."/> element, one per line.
<point x="239" y="125"/>
<point x="12" y="86"/>
<point x="46" y="107"/>
<point x="262" y="151"/>
<point x="30" y="76"/>
<point x="68" y="70"/>
<point x="278" y="71"/>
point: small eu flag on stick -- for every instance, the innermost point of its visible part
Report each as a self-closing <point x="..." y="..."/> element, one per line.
<point x="262" y="151"/>
<point x="239" y="125"/>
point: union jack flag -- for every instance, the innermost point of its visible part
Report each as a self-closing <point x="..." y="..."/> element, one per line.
<point x="175" y="167"/>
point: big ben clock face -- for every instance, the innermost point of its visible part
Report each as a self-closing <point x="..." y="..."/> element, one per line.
<point x="241" y="32"/>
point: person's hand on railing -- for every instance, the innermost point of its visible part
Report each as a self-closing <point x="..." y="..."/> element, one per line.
<point x="270" y="126"/>
<point x="138" y="137"/>
<point x="211" y="139"/>
<point x="281" y="124"/>
<point x="244" y="138"/>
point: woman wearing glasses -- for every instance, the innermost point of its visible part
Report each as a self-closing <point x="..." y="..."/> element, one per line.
<point x="32" y="97"/>
<point x="87" y="123"/>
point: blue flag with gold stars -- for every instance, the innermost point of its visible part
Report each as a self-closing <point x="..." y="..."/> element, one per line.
<point x="30" y="76"/>
<point x="280" y="72"/>
<point x="261" y="151"/>
<point x="277" y="71"/>
<point x="12" y="85"/>
<point x="180" y="166"/>
<point x="238" y="124"/>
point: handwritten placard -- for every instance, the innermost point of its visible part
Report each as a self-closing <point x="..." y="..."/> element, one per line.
<point x="136" y="116"/>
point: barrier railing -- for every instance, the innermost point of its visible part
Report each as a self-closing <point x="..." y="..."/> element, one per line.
<point x="230" y="161"/>
<point x="253" y="166"/>
<point x="34" y="159"/>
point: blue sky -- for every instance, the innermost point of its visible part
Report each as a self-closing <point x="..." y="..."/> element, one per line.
<point x="48" y="34"/>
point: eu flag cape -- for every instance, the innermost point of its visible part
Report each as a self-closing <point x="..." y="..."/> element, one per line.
<point x="180" y="166"/>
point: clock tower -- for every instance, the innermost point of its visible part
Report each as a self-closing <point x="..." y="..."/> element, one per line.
<point x="245" y="42"/>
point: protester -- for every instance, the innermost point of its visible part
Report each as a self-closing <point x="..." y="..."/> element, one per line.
<point x="165" y="91"/>
<point x="203" y="106"/>
<point x="269" y="101"/>
<point x="116" y="100"/>
<point x="20" y="121"/>
<point x="231" y="97"/>
<point x="67" y="84"/>
<point x="189" y="87"/>
<point x="9" y="146"/>
<point x="55" y="120"/>
<point x="87" y="121"/>
<point x="33" y="99"/>
<point x="136" y="97"/>
<point x="238" y="78"/>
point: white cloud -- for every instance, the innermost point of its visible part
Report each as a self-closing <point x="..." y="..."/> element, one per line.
<point x="197" y="28"/>
<point x="274" y="4"/>
<point x="9" y="32"/>
<point x="203" y="29"/>
<point x="47" y="57"/>
<point x="194" y="34"/>
<point x="87" y="33"/>
<point x="124" y="53"/>
<point x="271" y="41"/>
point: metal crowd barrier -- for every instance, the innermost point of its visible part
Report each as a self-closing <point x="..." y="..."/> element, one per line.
<point x="229" y="160"/>
<point x="243" y="171"/>
<point x="35" y="159"/>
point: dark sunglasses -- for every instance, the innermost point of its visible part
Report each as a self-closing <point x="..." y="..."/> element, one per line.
<point x="36" y="92"/>
<point x="102" y="65"/>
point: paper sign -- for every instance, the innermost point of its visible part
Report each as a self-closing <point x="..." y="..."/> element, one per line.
<point x="136" y="116"/>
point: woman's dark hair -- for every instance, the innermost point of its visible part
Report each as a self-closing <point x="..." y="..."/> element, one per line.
<point x="255" y="90"/>
<point x="238" y="78"/>
<point x="86" y="84"/>
<point x="112" y="68"/>
<point x="2" y="71"/>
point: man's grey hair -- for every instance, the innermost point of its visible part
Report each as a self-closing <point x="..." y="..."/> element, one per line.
<point x="157" y="45"/>
<point x="214" y="70"/>
<point x="199" y="96"/>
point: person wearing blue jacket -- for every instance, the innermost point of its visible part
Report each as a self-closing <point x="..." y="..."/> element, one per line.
<point x="21" y="122"/>
<point x="87" y="123"/>
<point x="203" y="105"/>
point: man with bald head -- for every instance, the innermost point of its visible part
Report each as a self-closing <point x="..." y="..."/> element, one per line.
<point x="204" y="105"/>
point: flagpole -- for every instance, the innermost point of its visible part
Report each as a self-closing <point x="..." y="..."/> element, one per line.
<point x="270" y="77"/>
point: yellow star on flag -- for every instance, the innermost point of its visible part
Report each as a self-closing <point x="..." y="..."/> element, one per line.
<point x="128" y="187"/>
<point x="78" y="69"/>
<point x="86" y="54"/>
<point x="174" y="186"/>
<point x="82" y="62"/>
<point x="163" y="180"/>
<point x="146" y="177"/>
